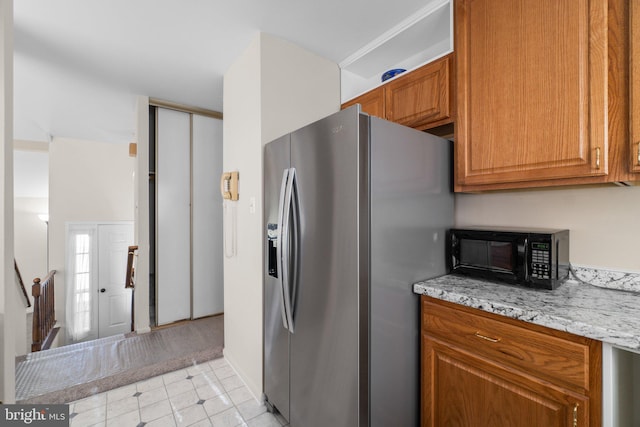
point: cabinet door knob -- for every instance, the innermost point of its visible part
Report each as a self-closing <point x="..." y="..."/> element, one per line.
<point x="103" y="290"/>
<point x="598" y="158"/>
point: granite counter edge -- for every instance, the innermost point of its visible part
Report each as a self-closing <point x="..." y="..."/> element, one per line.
<point x="616" y="338"/>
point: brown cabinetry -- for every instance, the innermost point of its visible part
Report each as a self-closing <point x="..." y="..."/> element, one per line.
<point x="480" y="369"/>
<point x="372" y="102"/>
<point x="635" y="84"/>
<point x="541" y="93"/>
<point x="421" y="99"/>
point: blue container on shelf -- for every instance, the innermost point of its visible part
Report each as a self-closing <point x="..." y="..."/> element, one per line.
<point x="392" y="73"/>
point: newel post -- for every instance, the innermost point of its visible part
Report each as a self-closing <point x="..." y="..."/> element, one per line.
<point x="35" y="329"/>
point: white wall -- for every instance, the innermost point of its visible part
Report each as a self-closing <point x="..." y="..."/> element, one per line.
<point x="141" y="202"/>
<point x="242" y="275"/>
<point x="8" y="291"/>
<point x="89" y="181"/>
<point x="30" y="245"/>
<point x="604" y="222"/>
<point x="30" y="248"/>
<point x="273" y="88"/>
<point x="31" y="198"/>
<point x="297" y="88"/>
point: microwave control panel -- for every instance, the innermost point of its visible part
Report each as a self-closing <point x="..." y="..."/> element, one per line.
<point x="540" y="260"/>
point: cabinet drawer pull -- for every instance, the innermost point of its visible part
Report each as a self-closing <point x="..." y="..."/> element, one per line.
<point x="575" y="415"/>
<point x="598" y="158"/>
<point x="484" y="337"/>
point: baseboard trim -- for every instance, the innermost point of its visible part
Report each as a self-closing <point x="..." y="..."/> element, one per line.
<point x="255" y="389"/>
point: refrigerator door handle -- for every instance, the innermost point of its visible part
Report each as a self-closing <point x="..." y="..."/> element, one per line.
<point x="295" y="246"/>
<point x="286" y="247"/>
<point x="280" y="245"/>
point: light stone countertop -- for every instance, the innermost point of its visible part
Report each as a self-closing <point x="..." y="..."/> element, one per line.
<point x="595" y="311"/>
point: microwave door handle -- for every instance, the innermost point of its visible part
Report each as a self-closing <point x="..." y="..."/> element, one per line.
<point x="526" y="259"/>
<point x="556" y="266"/>
<point x="280" y="246"/>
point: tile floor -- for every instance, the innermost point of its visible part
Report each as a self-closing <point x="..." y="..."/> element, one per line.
<point x="207" y="394"/>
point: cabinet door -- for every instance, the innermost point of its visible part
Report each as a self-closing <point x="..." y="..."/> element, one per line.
<point x="422" y="98"/>
<point x="532" y="90"/>
<point x="372" y="102"/>
<point x="463" y="390"/>
<point x="635" y="85"/>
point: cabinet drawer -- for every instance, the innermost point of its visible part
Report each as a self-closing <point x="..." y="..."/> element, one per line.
<point x="563" y="361"/>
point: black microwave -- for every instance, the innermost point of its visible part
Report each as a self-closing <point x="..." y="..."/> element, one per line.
<point x="537" y="258"/>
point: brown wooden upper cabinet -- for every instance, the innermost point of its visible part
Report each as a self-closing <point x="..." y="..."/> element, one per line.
<point x="635" y="85"/>
<point x="421" y="99"/>
<point x="372" y="102"/>
<point x="541" y="93"/>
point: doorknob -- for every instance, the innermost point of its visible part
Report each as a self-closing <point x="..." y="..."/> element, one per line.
<point x="103" y="290"/>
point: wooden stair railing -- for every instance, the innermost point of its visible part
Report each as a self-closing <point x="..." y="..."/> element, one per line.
<point x="21" y="283"/>
<point x="130" y="281"/>
<point x="44" y="315"/>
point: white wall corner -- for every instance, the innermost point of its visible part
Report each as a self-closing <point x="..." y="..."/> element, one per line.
<point x="242" y="152"/>
<point x="273" y="88"/>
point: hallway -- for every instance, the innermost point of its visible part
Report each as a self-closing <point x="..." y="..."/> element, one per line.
<point x="77" y="371"/>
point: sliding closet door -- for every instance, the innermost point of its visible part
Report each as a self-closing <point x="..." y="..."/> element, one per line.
<point x="207" y="217"/>
<point x="173" y="242"/>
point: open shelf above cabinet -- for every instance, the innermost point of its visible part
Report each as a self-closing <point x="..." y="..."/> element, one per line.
<point x="423" y="37"/>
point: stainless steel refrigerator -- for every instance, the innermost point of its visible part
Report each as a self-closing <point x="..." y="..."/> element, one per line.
<point x="356" y="210"/>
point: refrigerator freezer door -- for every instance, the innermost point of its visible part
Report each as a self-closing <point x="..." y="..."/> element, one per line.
<point x="276" y="336"/>
<point x="325" y="343"/>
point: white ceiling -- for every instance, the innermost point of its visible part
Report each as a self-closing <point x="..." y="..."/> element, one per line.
<point x="79" y="63"/>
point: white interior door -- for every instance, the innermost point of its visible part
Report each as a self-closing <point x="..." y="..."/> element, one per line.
<point x="114" y="300"/>
<point x="173" y="218"/>
<point x="208" y="297"/>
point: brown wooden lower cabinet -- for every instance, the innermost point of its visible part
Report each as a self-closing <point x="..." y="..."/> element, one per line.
<point x="496" y="372"/>
<point x="465" y="390"/>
